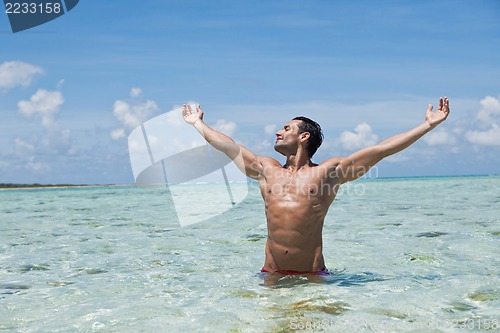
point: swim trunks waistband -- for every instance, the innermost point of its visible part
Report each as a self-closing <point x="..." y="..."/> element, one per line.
<point x="323" y="271"/>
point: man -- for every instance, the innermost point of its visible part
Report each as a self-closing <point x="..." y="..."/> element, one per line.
<point x="297" y="195"/>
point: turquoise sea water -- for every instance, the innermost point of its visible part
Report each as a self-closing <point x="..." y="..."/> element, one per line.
<point x="419" y="255"/>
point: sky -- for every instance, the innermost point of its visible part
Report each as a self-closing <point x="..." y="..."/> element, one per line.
<point x="73" y="89"/>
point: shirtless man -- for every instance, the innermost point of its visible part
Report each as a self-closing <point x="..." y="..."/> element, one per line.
<point x="297" y="195"/>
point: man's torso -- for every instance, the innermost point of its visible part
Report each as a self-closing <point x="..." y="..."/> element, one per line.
<point x="296" y="204"/>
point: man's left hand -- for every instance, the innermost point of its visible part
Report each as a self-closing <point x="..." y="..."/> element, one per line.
<point x="435" y="118"/>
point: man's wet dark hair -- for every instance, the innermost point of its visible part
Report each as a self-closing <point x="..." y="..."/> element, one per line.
<point x="316" y="135"/>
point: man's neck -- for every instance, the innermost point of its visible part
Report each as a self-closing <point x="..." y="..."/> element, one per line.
<point x="296" y="162"/>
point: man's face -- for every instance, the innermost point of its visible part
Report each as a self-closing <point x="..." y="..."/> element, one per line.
<point x="287" y="139"/>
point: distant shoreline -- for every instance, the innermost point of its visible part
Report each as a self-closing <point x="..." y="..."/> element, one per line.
<point x="8" y="186"/>
<point x="429" y="177"/>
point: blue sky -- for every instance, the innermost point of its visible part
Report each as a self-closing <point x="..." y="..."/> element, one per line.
<point x="73" y="89"/>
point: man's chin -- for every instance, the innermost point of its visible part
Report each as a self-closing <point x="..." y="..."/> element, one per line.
<point x="279" y="148"/>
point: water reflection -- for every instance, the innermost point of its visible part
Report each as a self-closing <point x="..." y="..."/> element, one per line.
<point x="339" y="278"/>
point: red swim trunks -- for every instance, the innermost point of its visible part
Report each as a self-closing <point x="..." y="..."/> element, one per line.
<point x="323" y="271"/>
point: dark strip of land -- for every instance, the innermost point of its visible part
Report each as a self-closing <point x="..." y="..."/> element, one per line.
<point x="36" y="185"/>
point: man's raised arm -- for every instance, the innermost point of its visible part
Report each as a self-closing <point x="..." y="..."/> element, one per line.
<point x="357" y="164"/>
<point x="252" y="165"/>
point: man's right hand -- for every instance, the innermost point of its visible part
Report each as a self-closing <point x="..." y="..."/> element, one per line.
<point x="191" y="116"/>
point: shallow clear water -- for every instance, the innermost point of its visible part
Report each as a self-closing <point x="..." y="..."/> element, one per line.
<point x="406" y="255"/>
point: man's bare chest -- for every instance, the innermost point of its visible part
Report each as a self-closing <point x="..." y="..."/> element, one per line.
<point x="284" y="183"/>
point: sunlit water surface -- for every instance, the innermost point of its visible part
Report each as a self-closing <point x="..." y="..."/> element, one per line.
<point x="405" y="255"/>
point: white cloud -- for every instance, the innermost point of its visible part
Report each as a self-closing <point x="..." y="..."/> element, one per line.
<point x="489" y="118"/>
<point x="118" y="134"/>
<point x="439" y="137"/>
<point x="135" y="92"/>
<point x="37" y="167"/>
<point x="17" y="73"/>
<point x="26" y="152"/>
<point x="360" y="138"/>
<point x="490" y="110"/>
<point x="44" y="104"/>
<point x="53" y="142"/>
<point x="489" y="137"/>
<point x="224" y="126"/>
<point x="23" y="148"/>
<point x="270" y="129"/>
<point x="263" y="146"/>
<point x="132" y="114"/>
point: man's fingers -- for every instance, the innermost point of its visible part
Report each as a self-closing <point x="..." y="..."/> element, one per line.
<point x="429" y="109"/>
<point x="186" y="109"/>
